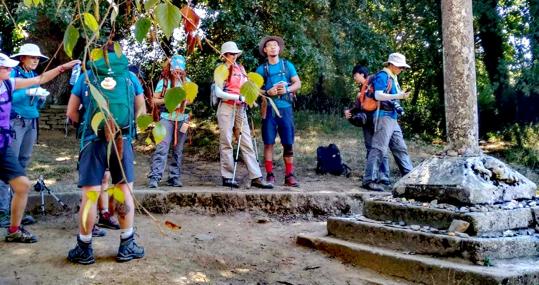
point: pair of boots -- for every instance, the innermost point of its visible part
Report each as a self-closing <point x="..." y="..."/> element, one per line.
<point x="83" y="253"/>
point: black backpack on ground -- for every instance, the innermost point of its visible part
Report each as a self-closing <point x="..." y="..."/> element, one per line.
<point x="328" y="160"/>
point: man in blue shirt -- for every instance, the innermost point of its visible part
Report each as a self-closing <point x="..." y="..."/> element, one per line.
<point x="387" y="132"/>
<point x="281" y="82"/>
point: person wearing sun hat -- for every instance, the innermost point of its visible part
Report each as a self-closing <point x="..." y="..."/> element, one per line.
<point x="281" y="82"/>
<point x="176" y="124"/>
<point x="11" y="170"/>
<point x="387" y="132"/>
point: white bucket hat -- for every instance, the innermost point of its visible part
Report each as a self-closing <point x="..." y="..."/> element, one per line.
<point x="230" y="47"/>
<point x="5" y="61"/>
<point x="397" y="59"/>
<point x="29" y="50"/>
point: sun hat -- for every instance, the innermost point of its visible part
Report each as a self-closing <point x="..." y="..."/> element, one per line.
<point x="397" y="59"/>
<point x="5" y="61"/>
<point x="266" y="39"/>
<point x="177" y="62"/>
<point x="29" y="50"/>
<point x="230" y="47"/>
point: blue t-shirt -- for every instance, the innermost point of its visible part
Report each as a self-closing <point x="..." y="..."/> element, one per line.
<point x="278" y="73"/>
<point x="166" y="115"/>
<point x="22" y="104"/>
<point x="380" y="84"/>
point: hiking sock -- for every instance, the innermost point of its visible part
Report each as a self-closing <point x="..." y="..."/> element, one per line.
<point x="85" y="238"/>
<point x="12" y="229"/>
<point x="289" y="168"/>
<point x="126" y="233"/>
<point x="268" y="164"/>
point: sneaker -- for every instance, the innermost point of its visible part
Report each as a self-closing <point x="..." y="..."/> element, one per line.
<point x="270" y="178"/>
<point x="82" y="253"/>
<point x="228" y="182"/>
<point x="175" y="182"/>
<point x="290" y="180"/>
<point x="106" y="220"/>
<point x="152" y="183"/>
<point x="384" y="182"/>
<point x="259" y="183"/>
<point x="374" y="187"/>
<point x="22" y="236"/>
<point x="129" y="250"/>
<point x="4" y="220"/>
<point x="98" y="232"/>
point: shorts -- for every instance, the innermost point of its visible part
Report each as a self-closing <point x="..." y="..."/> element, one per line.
<point x="93" y="163"/>
<point x="272" y="125"/>
<point x="10" y="167"/>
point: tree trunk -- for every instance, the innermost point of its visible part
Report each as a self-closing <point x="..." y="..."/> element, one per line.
<point x="533" y="6"/>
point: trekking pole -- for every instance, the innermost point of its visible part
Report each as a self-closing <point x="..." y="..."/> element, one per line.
<point x="238" y="149"/>
<point x="255" y="145"/>
<point x="376" y="116"/>
<point x="233" y="125"/>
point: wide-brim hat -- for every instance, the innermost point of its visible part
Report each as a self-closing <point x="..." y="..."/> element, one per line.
<point x="230" y="47"/>
<point x="29" y="50"/>
<point x="397" y="59"/>
<point x="5" y="61"/>
<point x="266" y="39"/>
<point x="177" y="62"/>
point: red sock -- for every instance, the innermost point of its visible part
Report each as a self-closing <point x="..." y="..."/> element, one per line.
<point x="289" y="168"/>
<point x="12" y="229"/>
<point x="269" y="166"/>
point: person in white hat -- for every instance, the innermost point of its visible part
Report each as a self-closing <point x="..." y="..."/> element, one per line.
<point x="11" y="170"/>
<point x="387" y="132"/>
<point x="232" y="114"/>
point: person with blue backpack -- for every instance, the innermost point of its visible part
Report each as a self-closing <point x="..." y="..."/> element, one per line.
<point x="123" y="94"/>
<point x="281" y="82"/>
<point x="11" y="170"/>
<point x="387" y="132"/>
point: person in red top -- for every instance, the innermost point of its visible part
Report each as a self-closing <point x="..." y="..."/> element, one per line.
<point x="232" y="115"/>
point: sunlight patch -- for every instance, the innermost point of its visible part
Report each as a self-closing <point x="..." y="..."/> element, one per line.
<point x="22" y="251"/>
<point x="63" y="158"/>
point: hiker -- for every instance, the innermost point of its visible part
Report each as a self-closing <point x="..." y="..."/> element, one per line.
<point x="387" y="132"/>
<point x="175" y="123"/>
<point x="360" y="74"/>
<point x="281" y="82"/>
<point x="115" y="81"/>
<point x="24" y="120"/>
<point x="232" y="115"/>
<point x="11" y="170"/>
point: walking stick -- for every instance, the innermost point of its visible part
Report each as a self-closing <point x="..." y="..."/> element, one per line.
<point x="255" y="145"/>
<point x="238" y="148"/>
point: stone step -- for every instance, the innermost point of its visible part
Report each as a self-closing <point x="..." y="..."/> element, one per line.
<point x="404" y="239"/>
<point x="494" y="220"/>
<point x="424" y="269"/>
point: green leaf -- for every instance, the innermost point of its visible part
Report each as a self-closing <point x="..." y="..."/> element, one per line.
<point x="36" y="2"/>
<point x="149" y="4"/>
<point x="137" y="4"/>
<point x="98" y="97"/>
<point x="191" y="91"/>
<point x="28" y="3"/>
<point x="109" y="150"/>
<point x="96" y="121"/>
<point x="144" y="121"/>
<point x="274" y="107"/>
<point x="92" y="200"/>
<point x="114" y="13"/>
<point x="220" y="75"/>
<point x="256" y="78"/>
<point x="96" y="54"/>
<point x="173" y="97"/>
<point x="168" y="16"/>
<point x="250" y="91"/>
<point x="159" y="132"/>
<point x="71" y="36"/>
<point x="148" y="141"/>
<point x="117" y="193"/>
<point x="117" y="49"/>
<point x="90" y="22"/>
<point x="141" y="29"/>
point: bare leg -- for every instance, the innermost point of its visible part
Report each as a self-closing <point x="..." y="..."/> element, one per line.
<point x="126" y="210"/>
<point x="20" y="186"/>
<point x="90" y="219"/>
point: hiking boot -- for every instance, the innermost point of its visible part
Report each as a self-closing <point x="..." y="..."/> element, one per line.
<point x="129" y="250"/>
<point x="82" y="253"/>
<point x="98" y="232"/>
<point x="28" y="220"/>
<point x="152" y="183"/>
<point x="373" y="186"/>
<point x="270" y="178"/>
<point x="4" y="220"/>
<point x="291" y="181"/>
<point x="175" y="182"/>
<point x="22" y="236"/>
<point x="384" y="182"/>
<point x="259" y="183"/>
<point x="228" y="182"/>
<point x="106" y="220"/>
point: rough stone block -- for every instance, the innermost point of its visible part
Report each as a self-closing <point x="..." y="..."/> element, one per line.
<point x="458" y="226"/>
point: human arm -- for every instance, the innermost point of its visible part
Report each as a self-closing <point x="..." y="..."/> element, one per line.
<point x="140" y="105"/>
<point x="73" y="108"/>
<point x="45" y="77"/>
<point x="225" y="95"/>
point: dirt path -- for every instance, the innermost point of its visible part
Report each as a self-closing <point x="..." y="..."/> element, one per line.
<point x="208" y="250"/>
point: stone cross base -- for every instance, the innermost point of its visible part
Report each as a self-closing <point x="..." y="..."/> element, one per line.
<point x="464" y="180"/>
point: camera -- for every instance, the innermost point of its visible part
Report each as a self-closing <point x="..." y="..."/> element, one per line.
<point x="40" y="184"/>
<point x="358" y="119"/>
<point x="397" y="107"/>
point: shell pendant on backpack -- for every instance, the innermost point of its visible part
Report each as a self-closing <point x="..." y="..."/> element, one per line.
<point x="108" y="83"/>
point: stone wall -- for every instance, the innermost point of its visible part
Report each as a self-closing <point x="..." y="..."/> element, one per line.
<point x="53" y="118"/>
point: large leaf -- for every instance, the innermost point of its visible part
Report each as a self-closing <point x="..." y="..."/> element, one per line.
<point x="90" y="22"/>
<point x="144" y="121"/>
<point x="149" y="4"/>
<point x="191" y="43"/>
<point x="98" y="97"/>
<point x="71" y="36"/>
<point x="220" y="75"/>
<point x="159" y="132"/>
<point x="250" y="91"/>
<point x="137" y="4"/>
<point x="118" y="49"/>
<point x="173" y="97"/>
<point x="168" y="16"/>
<point x="141" y="29"/>
<point x="91" y="201"/>
<point x="96" y="121"/>
<point x="28" y="3"/>
<point x="191" y="91"/>
<point x="117" y="193"/>
<point x="274" y="107"/>
<point x="96" y="54"/>
<point x="256" y="78"/>
<point x="190" y="19"/>
<point x="114" y="13"/>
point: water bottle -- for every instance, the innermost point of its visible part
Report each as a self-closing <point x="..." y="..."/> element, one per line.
<point x="75" y="73"/>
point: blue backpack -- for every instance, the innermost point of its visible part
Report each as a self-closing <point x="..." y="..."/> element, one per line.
<point x="328" y="160"/>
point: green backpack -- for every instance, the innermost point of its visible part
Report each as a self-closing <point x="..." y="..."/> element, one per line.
<point x="120" y="99"/>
